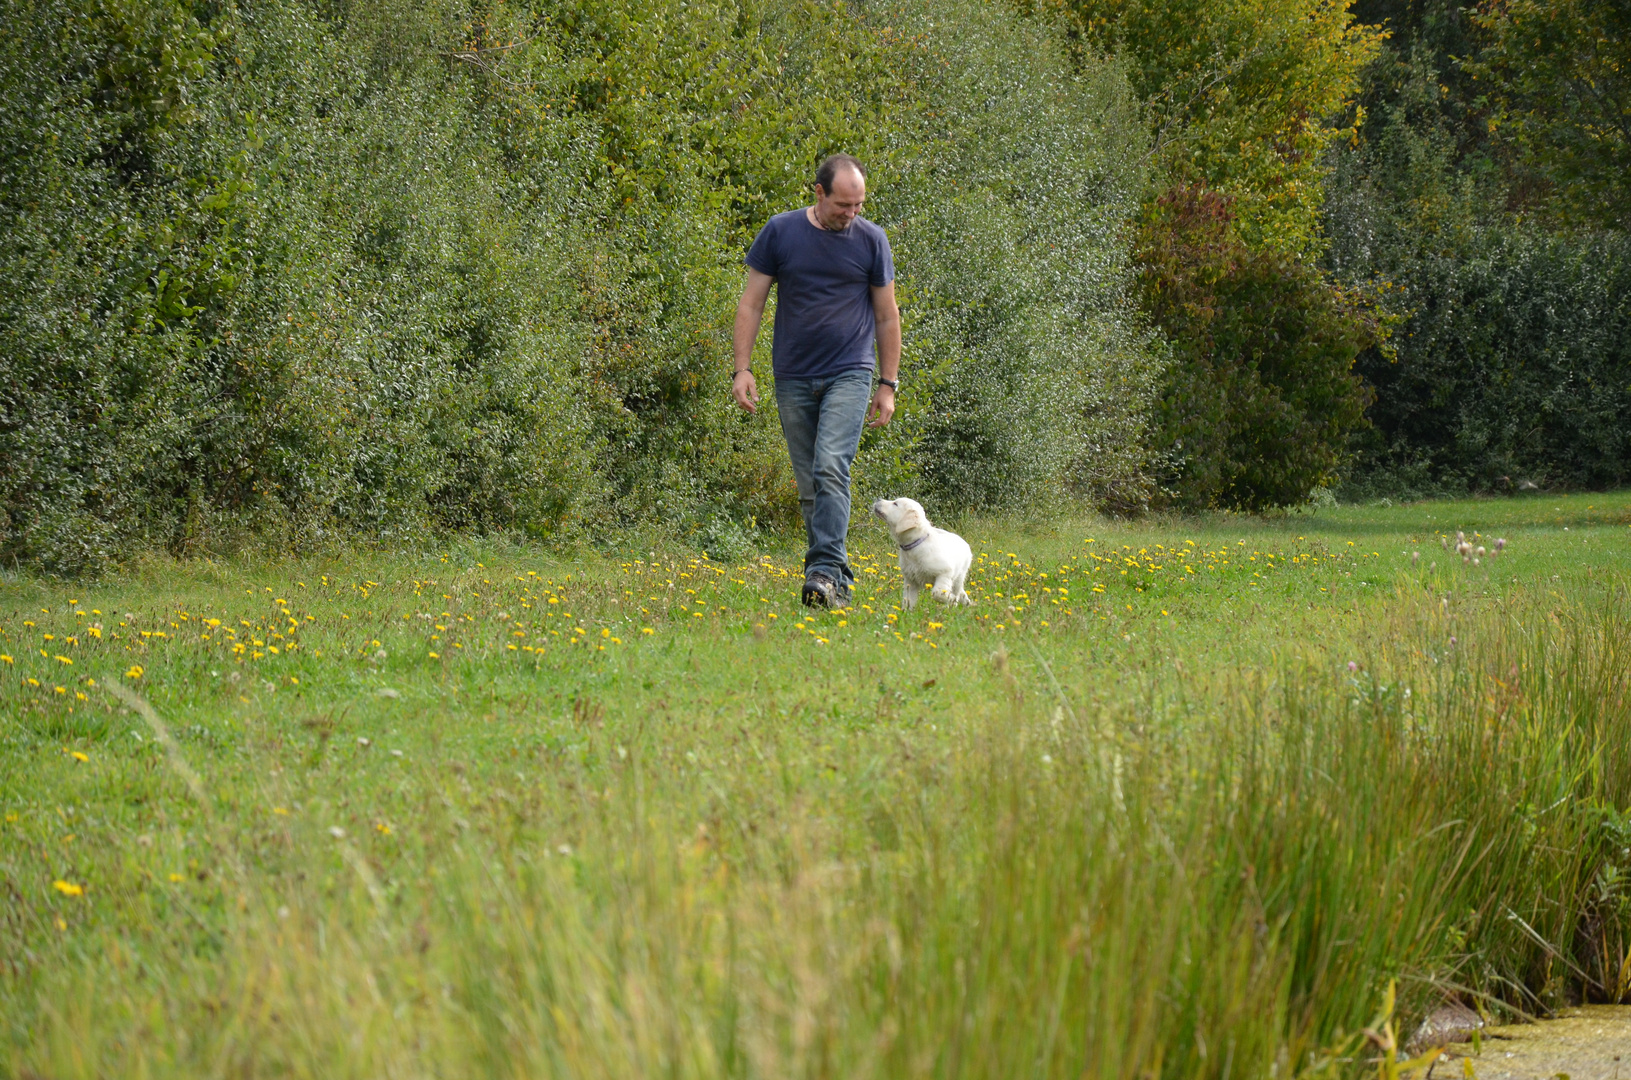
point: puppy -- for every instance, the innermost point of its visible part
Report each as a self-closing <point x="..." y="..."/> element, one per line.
<point x="928" y="556"/>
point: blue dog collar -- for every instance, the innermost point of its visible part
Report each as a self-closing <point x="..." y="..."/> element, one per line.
<point x="914" y="543"/>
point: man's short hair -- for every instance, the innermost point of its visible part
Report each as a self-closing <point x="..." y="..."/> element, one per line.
<point x="829" y="169"/>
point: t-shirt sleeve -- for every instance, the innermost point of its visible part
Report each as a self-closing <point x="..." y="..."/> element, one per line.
<point x="883" y="262"/>
<point x="762" y="255"/>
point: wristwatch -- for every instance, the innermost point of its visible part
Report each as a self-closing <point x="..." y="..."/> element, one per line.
<point x="893" y="384"/>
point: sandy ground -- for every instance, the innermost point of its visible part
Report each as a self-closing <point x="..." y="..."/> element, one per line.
<point x="1589" y="1043"/>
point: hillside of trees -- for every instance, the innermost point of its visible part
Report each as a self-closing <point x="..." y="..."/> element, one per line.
<point x="298" y="272"/>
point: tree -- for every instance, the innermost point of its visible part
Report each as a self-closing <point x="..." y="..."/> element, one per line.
<point x="1243" y="94"/>
<point x="1557" y="74"/>
<point x="1261" y="397"/>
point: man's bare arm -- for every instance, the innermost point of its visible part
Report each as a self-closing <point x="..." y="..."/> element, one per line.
<point x="750" y="312"/>
<point x="886" y="313"/>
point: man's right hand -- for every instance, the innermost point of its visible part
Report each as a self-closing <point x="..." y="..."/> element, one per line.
<point x="746" y="391"/>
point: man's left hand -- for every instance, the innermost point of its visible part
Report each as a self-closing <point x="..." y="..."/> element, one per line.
<point x="882" y="408"/>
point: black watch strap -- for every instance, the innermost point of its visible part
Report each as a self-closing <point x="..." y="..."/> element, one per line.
<point x="893" y="384"/>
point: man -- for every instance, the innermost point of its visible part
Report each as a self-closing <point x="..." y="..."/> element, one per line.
<point x="835" y="281"/>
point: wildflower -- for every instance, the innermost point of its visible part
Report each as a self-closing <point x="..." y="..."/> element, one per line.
<point x="78" y="756"/>
<point x="68" y="888"/>
<point x="135" y="672"/>
<point x="643" y="630"/>
<point x="6" y="659"/>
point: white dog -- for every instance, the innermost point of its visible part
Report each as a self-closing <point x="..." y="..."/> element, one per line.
<point x="928" y="556"/>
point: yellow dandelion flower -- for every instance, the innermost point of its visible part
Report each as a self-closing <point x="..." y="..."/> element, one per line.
<point x="78" y="756"/>
<point x="68" y="888"/>
<point x="135" y="672"/>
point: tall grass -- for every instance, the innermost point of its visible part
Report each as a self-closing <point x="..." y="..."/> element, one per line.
<point x="1216" y="877"/>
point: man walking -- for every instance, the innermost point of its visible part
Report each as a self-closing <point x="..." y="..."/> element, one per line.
<point x="835" y="281"/>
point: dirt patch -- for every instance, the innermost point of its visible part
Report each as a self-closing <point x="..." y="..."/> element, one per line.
<point x="1589" y="1043"/>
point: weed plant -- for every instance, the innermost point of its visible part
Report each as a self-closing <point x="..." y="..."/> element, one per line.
<point x="471" y="818"/>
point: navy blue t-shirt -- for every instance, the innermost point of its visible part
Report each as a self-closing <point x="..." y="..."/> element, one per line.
<point x="824" y="282"/>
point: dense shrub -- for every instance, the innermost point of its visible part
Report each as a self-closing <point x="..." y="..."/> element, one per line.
<point x="1261" y="395"/>
<point x="389" y="269"/>
<point x="1513" y="367"/>
<point x="1009" y="219"/>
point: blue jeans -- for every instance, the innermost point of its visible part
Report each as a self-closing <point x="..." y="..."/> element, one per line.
<point x="822" y="420"/>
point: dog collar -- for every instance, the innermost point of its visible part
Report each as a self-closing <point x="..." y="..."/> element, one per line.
<point x="914" y="543"/>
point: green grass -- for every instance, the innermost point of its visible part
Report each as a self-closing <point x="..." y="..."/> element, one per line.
<point x="1189" y="825"/>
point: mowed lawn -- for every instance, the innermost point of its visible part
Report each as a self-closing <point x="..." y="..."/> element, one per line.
<point x="1176" y="797"/>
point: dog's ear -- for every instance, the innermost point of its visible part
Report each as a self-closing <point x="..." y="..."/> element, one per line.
<point x="912" y="517"/>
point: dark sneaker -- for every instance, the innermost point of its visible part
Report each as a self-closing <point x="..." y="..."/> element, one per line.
<point x="822" y="591"/>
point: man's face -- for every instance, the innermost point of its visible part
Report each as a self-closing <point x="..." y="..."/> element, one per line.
<point x="837" y="208"/>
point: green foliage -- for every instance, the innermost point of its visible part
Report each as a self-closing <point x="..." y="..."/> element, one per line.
<point x="1245" y="95"/>
<point x="1261" y="396"/>
<point x="1510" y="368"/>
<point x="1509" y="364"/>
<point x="1557" y="74"/>
<point x="1009" y="220"/>
<point x="389" y="270"/>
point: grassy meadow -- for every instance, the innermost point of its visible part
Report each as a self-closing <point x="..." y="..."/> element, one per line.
<point x="1175" y="798"/>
